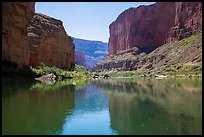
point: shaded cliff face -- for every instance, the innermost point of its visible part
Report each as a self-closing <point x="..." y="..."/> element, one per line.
<point x="144" y="27"/>
<point x="48" y="43"/>
<point x="188" y="20"/>
<point x="15" y="18"/>
<point x="80" y="58"/>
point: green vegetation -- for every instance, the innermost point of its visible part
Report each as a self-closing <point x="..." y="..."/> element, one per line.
<point x="75" y="83"/>
<point x="78" y="72"/>
<point x="171" y="59"/>
<point x="181" y="70"/>
<point x="188" y="41"/>
<point x="121" y="73"/>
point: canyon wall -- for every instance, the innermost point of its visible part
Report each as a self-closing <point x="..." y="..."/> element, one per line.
<point x="30" y="38"/>
<point x="161" y="27"/>
<point x="148" y="27"/>
<point x="49" y="43"/>
<point x="188" y="20"/>
<point x="144" y="27"/>
<point x="80" y="58"/>
<point x="15" y="18"/>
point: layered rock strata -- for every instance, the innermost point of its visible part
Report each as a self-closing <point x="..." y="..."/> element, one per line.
<point x="49" y="43"/>
<point x="188" y="20"/>
<point x="30" y="38"/>
<point x="148" y="27"/>
<point x="186" y="51"/>
<point x="143" y="27"/>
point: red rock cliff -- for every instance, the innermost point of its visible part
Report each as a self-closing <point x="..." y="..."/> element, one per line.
<point x="49" y="43"/>
<point x="29" y="38"/>
<point x="144" y="27"/>
<point x="188" y="19"/>
<point x="148" y="27"/>
<point x="15" y="18"/>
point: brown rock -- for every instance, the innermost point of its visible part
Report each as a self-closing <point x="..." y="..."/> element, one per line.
<point x="188" y="19"/>
<point x="148" y="27"/>
<point x="15" y="18"/>
<point x="48" y="43"/>
<point x="167" y="54"/>
<point x="80" y="58"/>
<point x="29" y="38"/>
<point x="144" y="27"/>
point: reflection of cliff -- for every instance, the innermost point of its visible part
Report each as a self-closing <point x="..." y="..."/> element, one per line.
<point x="139" y="106"/>
<point x="8" y="90"/>
<point x="36" y="112"/>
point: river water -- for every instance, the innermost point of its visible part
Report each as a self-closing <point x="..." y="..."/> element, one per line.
<point x="106" y="106"/>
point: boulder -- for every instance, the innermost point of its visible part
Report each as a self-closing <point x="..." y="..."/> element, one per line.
<point x="48" y="79"/>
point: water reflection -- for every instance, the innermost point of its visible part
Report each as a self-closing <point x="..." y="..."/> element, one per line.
<point x="32" y="111"/>
<point x="109" y="106"/>
<point x="90" y="115"/>
<point x="139" y="106"/>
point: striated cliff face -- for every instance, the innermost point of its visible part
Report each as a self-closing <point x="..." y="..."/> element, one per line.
<point x="49" y="43"/>
<point x="177" y="33"/>
<point x="80" y="58"/>
<point x="30" y="38"/>
<point x="15" y="18"/>
<point x="148" y="27"/>
<point x="144" y="27"/>
<point x="188" y="19"/>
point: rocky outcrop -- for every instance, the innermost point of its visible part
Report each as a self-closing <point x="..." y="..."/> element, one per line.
<point x="148" y="27"/>
<point x="15" y="18"/>
<point x="143" y="27"/>
<point x="30" y="38"/>
<point x="48" y="79"/>
<point x="188" y="20"/>
<point x="49" y="43"/>
<point x="80" y="58"/>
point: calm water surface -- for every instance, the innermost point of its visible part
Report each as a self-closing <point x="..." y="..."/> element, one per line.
<point x="107" y="106"/>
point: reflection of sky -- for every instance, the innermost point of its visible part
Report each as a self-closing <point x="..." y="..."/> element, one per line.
<point x="91" y="113"/>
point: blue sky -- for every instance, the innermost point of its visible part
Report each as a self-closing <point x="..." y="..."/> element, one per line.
<point x="86" y="20"/>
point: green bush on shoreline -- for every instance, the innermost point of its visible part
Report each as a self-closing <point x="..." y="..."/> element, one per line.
<point x="79" y="71"/>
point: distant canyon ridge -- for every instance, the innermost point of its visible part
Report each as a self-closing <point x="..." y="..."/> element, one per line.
<point x="89" y="52"/>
